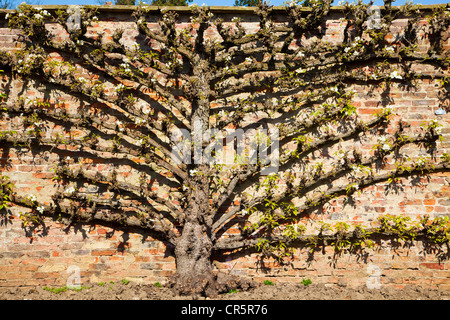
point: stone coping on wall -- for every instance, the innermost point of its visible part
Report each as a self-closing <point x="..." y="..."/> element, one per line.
<point x="214" y="9"/>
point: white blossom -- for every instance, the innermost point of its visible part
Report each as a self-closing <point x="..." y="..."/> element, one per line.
<point x="139" y="121"/>
<point x="300" y="54"/>
<point x="32" y="197"/>
<point x="244" y="212"/>
<point x="70" y="190"/>
<point x="421" y="162"/>
<point x="382" y="139"/>
<point x="185" y="188"/>
<point x="356" y="169"/>
<point x="40" y="209"/>
<point x="390" y="49"/>
<point x="7" y="16"/>
<point x="193" y="172"/>
<point x="386" y="147"/>
<point x="119" y="87"/>
<point x="80" y="42"/>
<point x="38" y="16"/>
<point x="394" y="75"/>
<point x="347" y="49"/>
<point x="248" y="59"/>
<point x="357" y="39"/>
<point x="341" y="156"/>
<point x="300" y="70"/>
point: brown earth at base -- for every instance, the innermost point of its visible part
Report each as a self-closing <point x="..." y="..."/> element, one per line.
<point x="281" y="291"/>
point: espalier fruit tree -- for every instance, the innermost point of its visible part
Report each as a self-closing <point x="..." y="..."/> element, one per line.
<point x="213" y="124"/>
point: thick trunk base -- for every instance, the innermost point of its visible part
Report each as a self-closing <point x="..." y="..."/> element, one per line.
<point x="195" y="275"/>
<point x="209" y="284"/>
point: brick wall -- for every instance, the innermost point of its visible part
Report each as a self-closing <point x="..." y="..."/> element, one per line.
<point x="43" y="256"/>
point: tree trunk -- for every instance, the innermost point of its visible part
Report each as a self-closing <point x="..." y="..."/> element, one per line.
<point x="194" y="247"/>
<point x="194" y="273"/>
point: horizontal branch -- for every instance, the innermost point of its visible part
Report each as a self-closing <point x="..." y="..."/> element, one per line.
<point x="243" y="240"/>
<point x="136" y="191"/>
<point x="80" y="120"/>
<point x="71" y="213"/>
<point x="312" y="182"/>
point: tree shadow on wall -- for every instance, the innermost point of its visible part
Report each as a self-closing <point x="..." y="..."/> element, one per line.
<point x="5" y="217"/>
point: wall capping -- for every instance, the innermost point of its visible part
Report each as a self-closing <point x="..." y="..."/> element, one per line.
<point x="214" y="9"/>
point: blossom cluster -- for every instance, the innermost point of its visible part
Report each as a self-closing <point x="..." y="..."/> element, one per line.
<point x="383" y="141"/>
<point x="70" y="190"/>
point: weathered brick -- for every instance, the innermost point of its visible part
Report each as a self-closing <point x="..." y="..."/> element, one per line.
<point x="438" y="266"/>
<point x="103" y="252"/>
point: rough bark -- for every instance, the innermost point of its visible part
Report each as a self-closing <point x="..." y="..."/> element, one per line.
<point x="195" y="273"/>
<point x="193" y="261"/>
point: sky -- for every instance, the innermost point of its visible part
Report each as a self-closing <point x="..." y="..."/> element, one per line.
<point x="213" y="2"/>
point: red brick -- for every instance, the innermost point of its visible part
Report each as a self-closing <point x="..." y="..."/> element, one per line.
<point x="103" y="252"/>
<point x="429" y="202"/>
<point x="438" y="266"/>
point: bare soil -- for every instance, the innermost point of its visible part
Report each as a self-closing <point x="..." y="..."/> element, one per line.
<point x="134" y="291"/>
